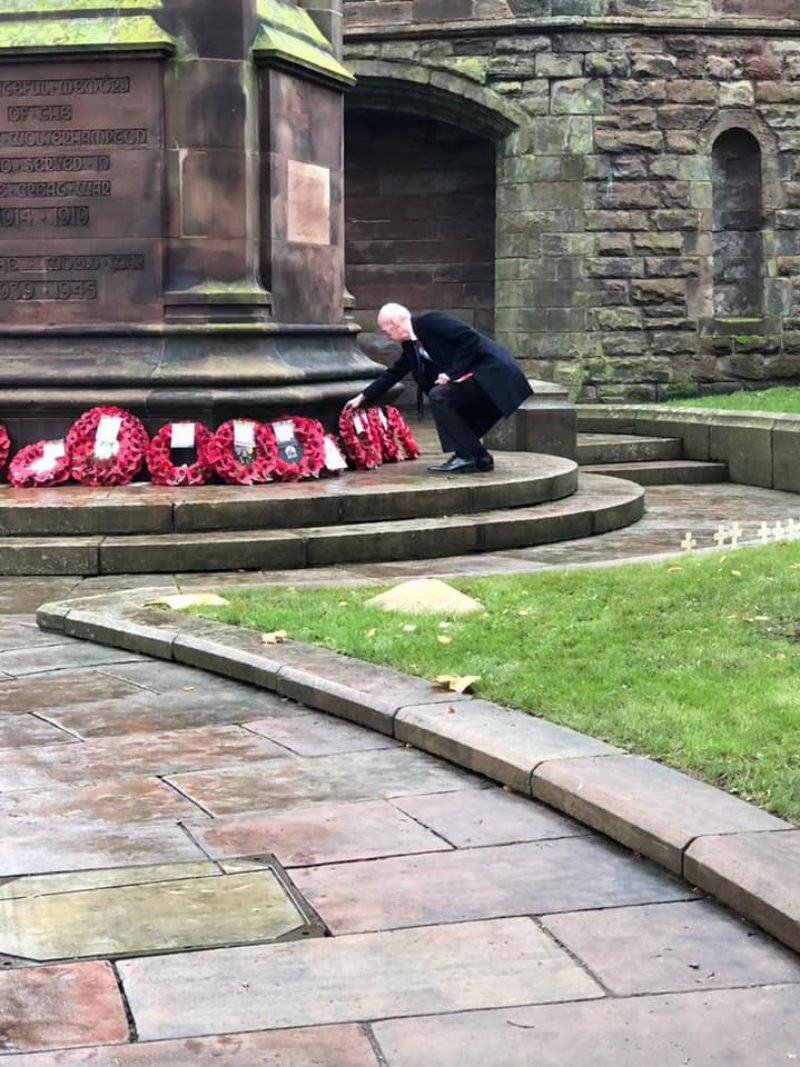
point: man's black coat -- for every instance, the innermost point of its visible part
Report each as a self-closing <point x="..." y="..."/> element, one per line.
<point x="456" y="349"/>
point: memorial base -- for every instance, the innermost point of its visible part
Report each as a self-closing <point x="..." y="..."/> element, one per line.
<point x="208" y="373"/>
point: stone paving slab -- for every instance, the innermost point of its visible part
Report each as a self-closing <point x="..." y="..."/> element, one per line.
<point x="501" y="743"/>
<point x="288" y="782"/>
<point x="369" y="976"/>
<point x="470" y="819"/>
<point x="165" y="914"/>
<point x="66" y="654"/>
<point x="317" y="735"/>
<point x="135" y="756"/>
<point x="127" y="800"/>
<point x="720" y="1028"/>
<point x="523" y="879"/>
<point x="60" y="1007"/>
<point x="146" y="712"/>
<point x="19" y="731"/>
<point x="666" y="948"/>
<point x="755" y="873"/>
<point x="62" y="689"/>
<point x="319" y="1046"/>
<point x="651" y="808"/>
<point x="36" y="845"/>
<point x="322" y="833"/>
<point x="27" y="594"/>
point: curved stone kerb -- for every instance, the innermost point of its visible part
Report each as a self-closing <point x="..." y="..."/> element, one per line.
<point x="434" y="93"/>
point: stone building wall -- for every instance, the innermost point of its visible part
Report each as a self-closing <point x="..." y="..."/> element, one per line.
<point x="637" y="254"/>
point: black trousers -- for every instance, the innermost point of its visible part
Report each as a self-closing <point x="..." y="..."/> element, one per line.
<point x="463" y="413"/>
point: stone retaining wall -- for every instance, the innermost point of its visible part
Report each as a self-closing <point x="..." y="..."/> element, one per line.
<point x="761" y="450"/>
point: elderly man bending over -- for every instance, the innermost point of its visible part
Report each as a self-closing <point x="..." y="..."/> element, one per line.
<point x="471" y="381"/>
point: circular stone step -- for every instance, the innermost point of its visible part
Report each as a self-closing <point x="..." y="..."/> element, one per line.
<point x="600" y="504"/>
<point x="395" y="491"/>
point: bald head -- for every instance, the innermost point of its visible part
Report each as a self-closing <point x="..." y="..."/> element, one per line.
<point x="394" y="320"/>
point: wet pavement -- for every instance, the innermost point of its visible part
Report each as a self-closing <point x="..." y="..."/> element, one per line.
<point x="465" y="925"/>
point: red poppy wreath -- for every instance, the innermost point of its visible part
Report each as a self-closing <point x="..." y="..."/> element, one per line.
<point x="362" y="445"/>
<point x="184" y="437"/>
<point x="243" y="452"/>
<point x="402" y="434"/>
<point x="5" y="445"/>
<point x="106" y="446"/>
<point x="301" y="448"/>
<point x="39" y="465"/>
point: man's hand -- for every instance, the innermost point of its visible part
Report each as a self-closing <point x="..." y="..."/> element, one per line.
<point x="356" y="402"/>
<point x="443" y="379"/>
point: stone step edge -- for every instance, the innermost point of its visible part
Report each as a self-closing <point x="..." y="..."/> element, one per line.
<point x="692" y="829"/>
<point x="619" y="504"/>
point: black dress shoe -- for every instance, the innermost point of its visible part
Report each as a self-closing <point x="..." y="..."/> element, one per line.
<point x="456" y="465"/>
<point x="484" y="463"/>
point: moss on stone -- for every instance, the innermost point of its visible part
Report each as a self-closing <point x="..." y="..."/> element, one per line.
<point x="102" y="32"/>
<point x="53" y="7"/>
<point x="300" y="53"/>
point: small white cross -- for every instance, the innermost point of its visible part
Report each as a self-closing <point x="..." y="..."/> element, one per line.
<point x="721" y="537"/>
<point x="736" y="535"/>
<point x="688" y="543"/>
<point x="778" y="531"/>
<point x="765" y="532"/>
<point x="792" y="527"/>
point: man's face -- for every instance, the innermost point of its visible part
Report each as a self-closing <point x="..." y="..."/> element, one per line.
<point x="395" y="329"/>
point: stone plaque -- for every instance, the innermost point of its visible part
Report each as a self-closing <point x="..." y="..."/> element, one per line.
<point x="81" y="148"/>
<point x="309" y="204"/>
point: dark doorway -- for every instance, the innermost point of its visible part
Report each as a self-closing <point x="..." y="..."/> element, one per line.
<point x="738" y="219"/>
<point x="420" y="210"/>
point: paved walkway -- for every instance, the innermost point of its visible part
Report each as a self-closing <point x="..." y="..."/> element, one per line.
<point x="468" y="926"/>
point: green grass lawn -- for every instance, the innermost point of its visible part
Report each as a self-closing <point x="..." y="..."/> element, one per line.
<point x="695" y="662"/>
<point x="781" y="399"/>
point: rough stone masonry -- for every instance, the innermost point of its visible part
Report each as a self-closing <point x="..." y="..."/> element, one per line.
<point x="612" y="186"/>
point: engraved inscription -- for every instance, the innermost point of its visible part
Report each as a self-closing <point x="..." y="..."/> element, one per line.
<point x="81" y="202"/>
<point x="64" y="86"/>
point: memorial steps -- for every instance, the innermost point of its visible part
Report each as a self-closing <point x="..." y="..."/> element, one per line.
<point x="399" y="512"/>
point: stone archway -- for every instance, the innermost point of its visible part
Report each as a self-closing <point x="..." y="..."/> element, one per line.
<point x="420" y="189"/>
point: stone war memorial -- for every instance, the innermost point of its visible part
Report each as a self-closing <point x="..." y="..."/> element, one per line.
<point x="611" y="186"/>
<point x="171" y="211"/>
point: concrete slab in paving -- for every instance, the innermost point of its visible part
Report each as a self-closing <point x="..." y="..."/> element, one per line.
<point x="362" y="776"/>
<point x="138" y="755"/>
<point x="501" y="743"/>
<point x="35" y="845"/>
<point x="61" y="690"/>
<point x="27" y="594"/>
<point x="526" y="879"/>
<point x="68" y="653"/>
<point x="317" y="735"/>
<point x="129" y="800"/>
<point x="318" y="1046"/>
<point x="18" y="731"/>
<point x="204" y="909"/>
<point x="60" y="1007"/>
<point x="18" y="634"/>
<point x="652" y="809"/>
<point x="164" y="677"/>
<point x="371" y="976"/>
<point x="490" y="817"/>
<point x="661" y="948"/>
<point x="757" y="873"/>
<point x="147" y="712"/>
<point x="323" y="833"/>
<point x="719" y="1028"/>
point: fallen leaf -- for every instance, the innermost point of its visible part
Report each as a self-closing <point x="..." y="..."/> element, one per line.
<point x="451" y="711"/>
<point x="443" y="639"/>
<point x="182" y="601"/>
<point x="736" y="574"/>
<point x="343" y="603"/>
<point x="370" y="633"/>
<point x="445" y="625"/>
<point x="188" y="689"/>
<point x="673" y="570"/>
<point x="409" y="628"/>
<point x="456" y="683"/>
<point x="277" y="637"/>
